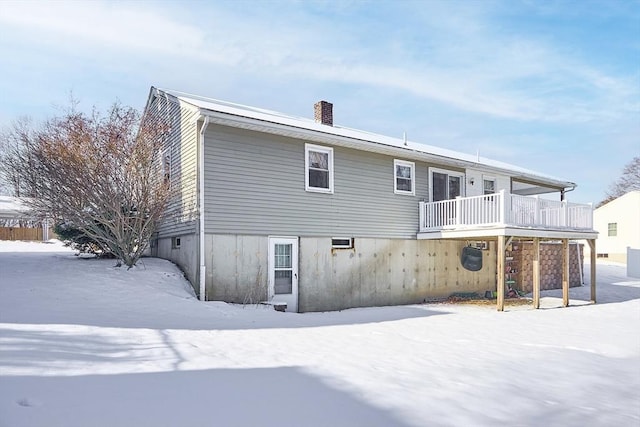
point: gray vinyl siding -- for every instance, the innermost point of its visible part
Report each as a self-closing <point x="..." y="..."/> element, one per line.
<point x="255" y="184"/>
<point x="181" y="214"/>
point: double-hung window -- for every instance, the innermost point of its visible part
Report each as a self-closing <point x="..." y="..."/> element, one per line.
<point x="489" y="185"/>
<point x="318" y="168"/>
<point x="404" y="181"/>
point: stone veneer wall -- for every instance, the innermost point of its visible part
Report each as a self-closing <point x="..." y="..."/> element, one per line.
<point x="550" y="265"/>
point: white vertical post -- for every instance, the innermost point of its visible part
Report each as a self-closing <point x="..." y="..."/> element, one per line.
<point x="45" y="230"/>
<point x="592" y="246"/>
<point x="421" y="215"/>
<point x="503" y="207"/>
<point x="458" y="209"/>
<point x="589" y="221"/>
<point x="536" y="212"/>
<point x="565" y="214"/>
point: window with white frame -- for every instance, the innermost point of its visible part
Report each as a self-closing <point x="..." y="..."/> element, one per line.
<point x="342" y="243"/>
<point x="404" y="173"/>
<point x="489" y="186"/>
<point x="612" y="229"/>
<point x="318" y="168"/>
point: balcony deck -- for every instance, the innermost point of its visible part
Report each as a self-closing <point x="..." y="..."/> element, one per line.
<point x="504" y="214"/>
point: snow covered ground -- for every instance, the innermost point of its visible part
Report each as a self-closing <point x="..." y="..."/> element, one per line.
<point x="85" y="344"/>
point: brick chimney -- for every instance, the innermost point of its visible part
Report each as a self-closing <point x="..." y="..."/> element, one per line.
<point x="323" y="112"/>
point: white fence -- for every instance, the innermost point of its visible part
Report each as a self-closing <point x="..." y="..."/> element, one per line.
<point x="505" y="209"/>
<point x="633" y="262"/>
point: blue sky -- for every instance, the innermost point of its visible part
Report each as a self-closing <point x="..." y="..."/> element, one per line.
<point x="552" y="86"/>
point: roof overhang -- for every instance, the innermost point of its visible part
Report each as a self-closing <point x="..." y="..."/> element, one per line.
<point x="543" y="185"/>
<point x="278" y="124"/>
<point x="523" y="187"/>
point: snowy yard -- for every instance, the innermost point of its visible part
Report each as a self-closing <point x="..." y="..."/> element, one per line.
<point x="85" y="344"/>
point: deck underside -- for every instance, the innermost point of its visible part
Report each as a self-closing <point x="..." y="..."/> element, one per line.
<point x="492" y="232"/>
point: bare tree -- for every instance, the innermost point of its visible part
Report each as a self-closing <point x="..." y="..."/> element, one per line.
<point x="628" y="181"/>
<point x="102" y="174"/>
<point x="13" y="143"/>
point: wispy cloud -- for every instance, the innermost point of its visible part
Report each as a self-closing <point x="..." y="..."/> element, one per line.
<point x="457" y="57"/>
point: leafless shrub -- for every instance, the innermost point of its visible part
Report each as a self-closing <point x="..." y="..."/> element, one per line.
<point x="101" y="173"/>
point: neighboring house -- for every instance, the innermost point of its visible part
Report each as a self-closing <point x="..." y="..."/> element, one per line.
<point x="17" y="223"/>
<point x="12" y="211"/>
<point x="270" y="207"/>
<point x="618" y="223"/>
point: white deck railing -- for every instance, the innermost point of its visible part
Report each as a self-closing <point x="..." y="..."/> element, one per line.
<point x="503" y="209"/>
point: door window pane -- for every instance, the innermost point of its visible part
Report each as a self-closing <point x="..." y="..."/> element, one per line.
<point x="282" y="256"/>
<point x="454" y="186"/>
<point x="439" y="186"/>
<point x="283" y="283"/>
<point x="445" y="186"/>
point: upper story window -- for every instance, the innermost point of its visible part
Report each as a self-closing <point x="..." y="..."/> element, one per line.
<point x="613" y="229"/>
<point x="489" y="186"/>
<point x="318" y="168"/>
<point x="404" y="177"/>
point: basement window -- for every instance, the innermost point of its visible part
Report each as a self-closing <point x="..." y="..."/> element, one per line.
<point x="342" y="243"/>
<point x="175" y="242"/>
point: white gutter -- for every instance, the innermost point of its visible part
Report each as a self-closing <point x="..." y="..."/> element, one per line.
<point x="203" y="267"/>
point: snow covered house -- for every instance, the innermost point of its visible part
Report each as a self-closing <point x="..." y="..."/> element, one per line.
<point x="618" y="225"/>
<point x="275" y="208"/>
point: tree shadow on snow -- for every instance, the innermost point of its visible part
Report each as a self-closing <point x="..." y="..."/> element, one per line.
<point x="283" y="396"/>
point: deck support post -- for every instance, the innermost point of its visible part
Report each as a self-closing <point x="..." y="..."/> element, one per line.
<point x="565" y="272"/>
<point x="536" y="272"/>
<point x="592" y="247"/>
<point x="500" y="270"/>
